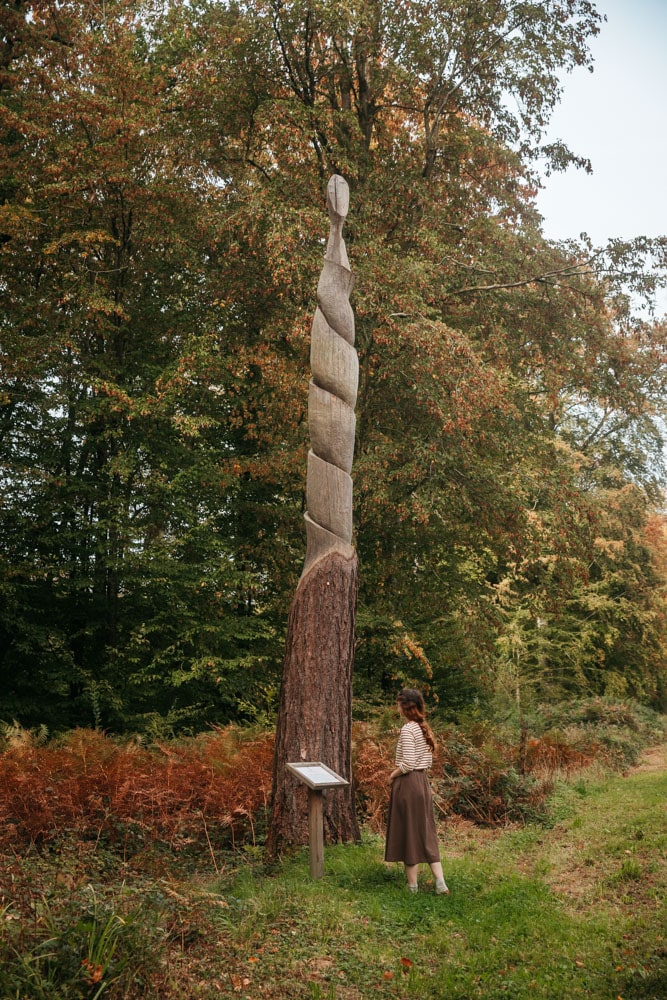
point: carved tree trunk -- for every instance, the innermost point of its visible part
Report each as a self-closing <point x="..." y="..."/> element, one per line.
<point x="315" y="715"/>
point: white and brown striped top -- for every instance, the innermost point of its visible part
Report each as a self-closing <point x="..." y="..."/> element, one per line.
<point x="412" y="751"/>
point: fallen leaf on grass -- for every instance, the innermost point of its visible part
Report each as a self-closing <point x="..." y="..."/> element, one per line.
<point x="387" y="975"/>
<point x="94" y="972"/>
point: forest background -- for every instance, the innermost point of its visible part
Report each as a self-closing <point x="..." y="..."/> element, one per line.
<point x="162" y="228"/>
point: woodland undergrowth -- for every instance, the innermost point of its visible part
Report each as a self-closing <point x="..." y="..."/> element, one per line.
<point x="214" y="789"/>
<point x="108" y="847"/>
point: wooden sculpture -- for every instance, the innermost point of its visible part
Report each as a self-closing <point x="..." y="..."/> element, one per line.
<point x="315" y="716"/>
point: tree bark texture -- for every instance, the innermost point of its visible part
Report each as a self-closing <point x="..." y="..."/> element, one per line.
<point x="315" y="714"/>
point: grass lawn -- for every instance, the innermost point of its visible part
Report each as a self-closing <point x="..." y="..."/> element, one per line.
<point x="572" y="909"/>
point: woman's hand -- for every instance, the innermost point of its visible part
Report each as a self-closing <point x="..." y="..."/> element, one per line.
<point x="394" y="774"/>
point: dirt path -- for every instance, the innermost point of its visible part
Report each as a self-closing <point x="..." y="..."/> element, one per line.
<point x="652" y="760"/>
<point x="464" y="837"/>
<point x="579" y="868"/>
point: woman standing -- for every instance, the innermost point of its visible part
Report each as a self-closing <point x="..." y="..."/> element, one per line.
<point x="411" y="834"/>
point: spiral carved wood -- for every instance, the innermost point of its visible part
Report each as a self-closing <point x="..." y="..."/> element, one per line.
<point x="332" y="396"/>
<point x="315" y="713"/>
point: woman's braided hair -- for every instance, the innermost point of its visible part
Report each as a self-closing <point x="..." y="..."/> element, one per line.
<point x="412" y="706"/>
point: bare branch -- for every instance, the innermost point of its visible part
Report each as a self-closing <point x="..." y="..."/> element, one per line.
<point x="568" y="271"/>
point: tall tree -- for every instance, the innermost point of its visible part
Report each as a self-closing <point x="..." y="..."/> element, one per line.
<point x="315" y="714"/>
<point x="123" y="598"/>
<point x="161" y="217"/>
<point x="476" y="337"/>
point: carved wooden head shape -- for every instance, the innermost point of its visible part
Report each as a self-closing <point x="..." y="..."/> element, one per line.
<point x="338" y="197"/>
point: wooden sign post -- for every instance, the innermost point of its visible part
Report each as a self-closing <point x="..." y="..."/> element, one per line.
<point x="317" y="777"/>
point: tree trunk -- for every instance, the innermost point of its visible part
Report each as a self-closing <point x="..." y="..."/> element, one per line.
<point x="315" y="715"/>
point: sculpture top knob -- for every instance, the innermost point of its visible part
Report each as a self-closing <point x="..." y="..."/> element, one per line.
<point x="338" y="197"/>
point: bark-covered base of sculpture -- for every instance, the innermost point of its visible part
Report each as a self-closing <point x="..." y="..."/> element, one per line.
<point x="315" y="717"/>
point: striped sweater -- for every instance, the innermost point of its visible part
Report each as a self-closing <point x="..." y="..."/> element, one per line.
<point x="412" y="751"/>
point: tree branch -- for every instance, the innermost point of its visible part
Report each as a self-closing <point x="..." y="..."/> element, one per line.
<point x="568" y="271"/>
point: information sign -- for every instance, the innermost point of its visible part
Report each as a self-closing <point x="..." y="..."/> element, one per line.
<point x="317" y="775"/>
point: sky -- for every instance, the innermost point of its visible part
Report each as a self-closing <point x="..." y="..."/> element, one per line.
<point x="617" y="117"/>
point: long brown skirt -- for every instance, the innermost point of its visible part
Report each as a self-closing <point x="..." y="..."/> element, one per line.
<point x="411" y="834"/>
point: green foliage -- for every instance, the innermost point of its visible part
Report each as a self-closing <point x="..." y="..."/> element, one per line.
<point x="629" y="715"/>
<point x="161" y="228"/>
<point x="80" y="946"/>
<point x="608" y="729"/>
<point x="482" y="784"/>
<point x="124" y="594"/>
